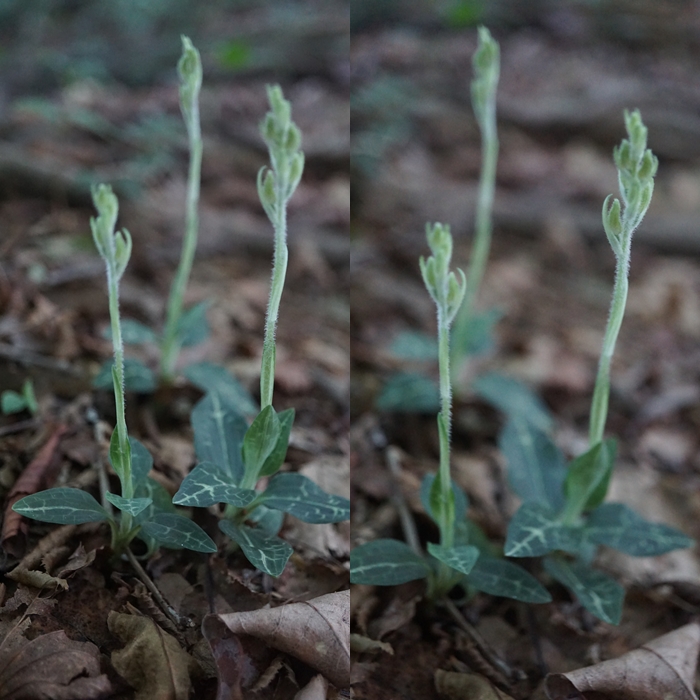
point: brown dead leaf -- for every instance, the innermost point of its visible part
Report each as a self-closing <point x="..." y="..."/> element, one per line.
<point x="316" y="632"/>
<point x="662" y="668"/>
<point x="455" y="686"/>
<point x="53" y="667"/>
<point x="34" y="477"/>
<point x="365" y="645"/>
<point x="152" y="661"/>
<point x="332" y="474"/>
<point x="316" y="689"/>
<point x="400" y="611"/>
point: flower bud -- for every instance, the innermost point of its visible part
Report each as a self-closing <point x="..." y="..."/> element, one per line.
<point x="280" y="107"/>
<point x="122" y="251"/>
<point x="456" y="289"/>
<point x="427" y="268"/>
<point x="189" y="69"/>
<point x="293" y="139"/>
<point x="649" y="166"/>
<point x="296" y="168"/>
<point x="266" y="191"/>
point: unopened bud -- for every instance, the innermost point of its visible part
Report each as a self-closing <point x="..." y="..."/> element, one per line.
<point x="296" y="168"/>
<point x="293" y="140"/>
<point x="280" y="107"/>
<point x="122" y="251"/>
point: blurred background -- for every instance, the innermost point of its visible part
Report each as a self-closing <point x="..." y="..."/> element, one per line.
<point x="88" y="94"/>
<point x="568" y="71"/>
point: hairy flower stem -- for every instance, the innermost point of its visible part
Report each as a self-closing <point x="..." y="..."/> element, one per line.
<point x="171" y="347"/>
<point x="483" y="225"/>
<point x="483" y="92"/>
<point x="279" y="272"/>
<point x="636" y="168"/>
<point x="445" y="576"/>
<point x="601" y="393"/>
<point x="444" y="429"/>
<point x="119" y="401"/>
<point x="190" y="71"/>
<point x="276" y="185"/>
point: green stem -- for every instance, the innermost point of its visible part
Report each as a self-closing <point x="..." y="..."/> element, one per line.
<point x="483" y="226"/>
<point x="171" y="345"/>
<point x="446" y="524"/>
<point x="279" y="272"/>
<point x="601" y="393"/>
<point x="119" y="401"/>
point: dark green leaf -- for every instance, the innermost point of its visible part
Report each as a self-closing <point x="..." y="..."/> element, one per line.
<point x="536" y="466"/>
<point x="132" y="506"/>
<point x="503" y="578"/>
<point x="218" y="434"/>
<point x="412" y="345"/>
<point x="160" y="500"/>
<point x="12" y="402"/>
<point x="300" y="497"/>
<point x="141" y="461"/>
<point x="475" y="337"/>
<point x="259" y="442"/>
<point x="210" y="377"/>
<point x="513" y="398"/>
<point x="207" y="484"/>
<point x="587" y="478"/>
<point x="137" y="377"/>
<point x="460" y="498"/>
<point x="617" y="526"/>
<point x="269" y="554"/>
<point x="193" y="328"/>
<point x="276" y="458"/>
<point x="534" y="530"/>
<point x="460" y="558"/>
<point x="267" y="520"/>
<point x="409" y="393"/>
<point x="29" y="397"/>
<point x="598" y="593"/>
<point x="62" y="505"/>
<point x="386" y="563"/>
<point x="177" y="532"/>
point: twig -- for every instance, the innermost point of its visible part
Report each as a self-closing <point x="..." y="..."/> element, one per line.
<point x="19" y="426"/>
<point x="407" y="523"/>
<point x="28" y="357"/>
<point x="478" y="640"/>
<point x="179" y="620"/>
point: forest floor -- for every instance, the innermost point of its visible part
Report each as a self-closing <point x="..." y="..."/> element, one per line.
<point x="565" y="79"/>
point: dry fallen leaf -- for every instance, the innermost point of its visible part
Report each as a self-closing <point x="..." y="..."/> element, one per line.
<point x="316" y="689"/>
<point x="36" y="475"/>
<point x="53" y="667"/>
<point x="152" y="660"/>
<point x="454" y="686"/>
<point x="316" y="632"/>
<point x="662" y="668"/>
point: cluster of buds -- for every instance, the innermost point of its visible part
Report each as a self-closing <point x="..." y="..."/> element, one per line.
<point x="636" y="168"/>
<point x="276" y="185"/>
<point x="444" y="287"/>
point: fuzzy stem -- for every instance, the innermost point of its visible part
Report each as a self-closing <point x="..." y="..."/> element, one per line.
<point x="171" y="345"/>
<point x="446" y="524"/>
<point x="601" y="393"/>
<point x="483" y="225"/>
<point x="279" y="272"/>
